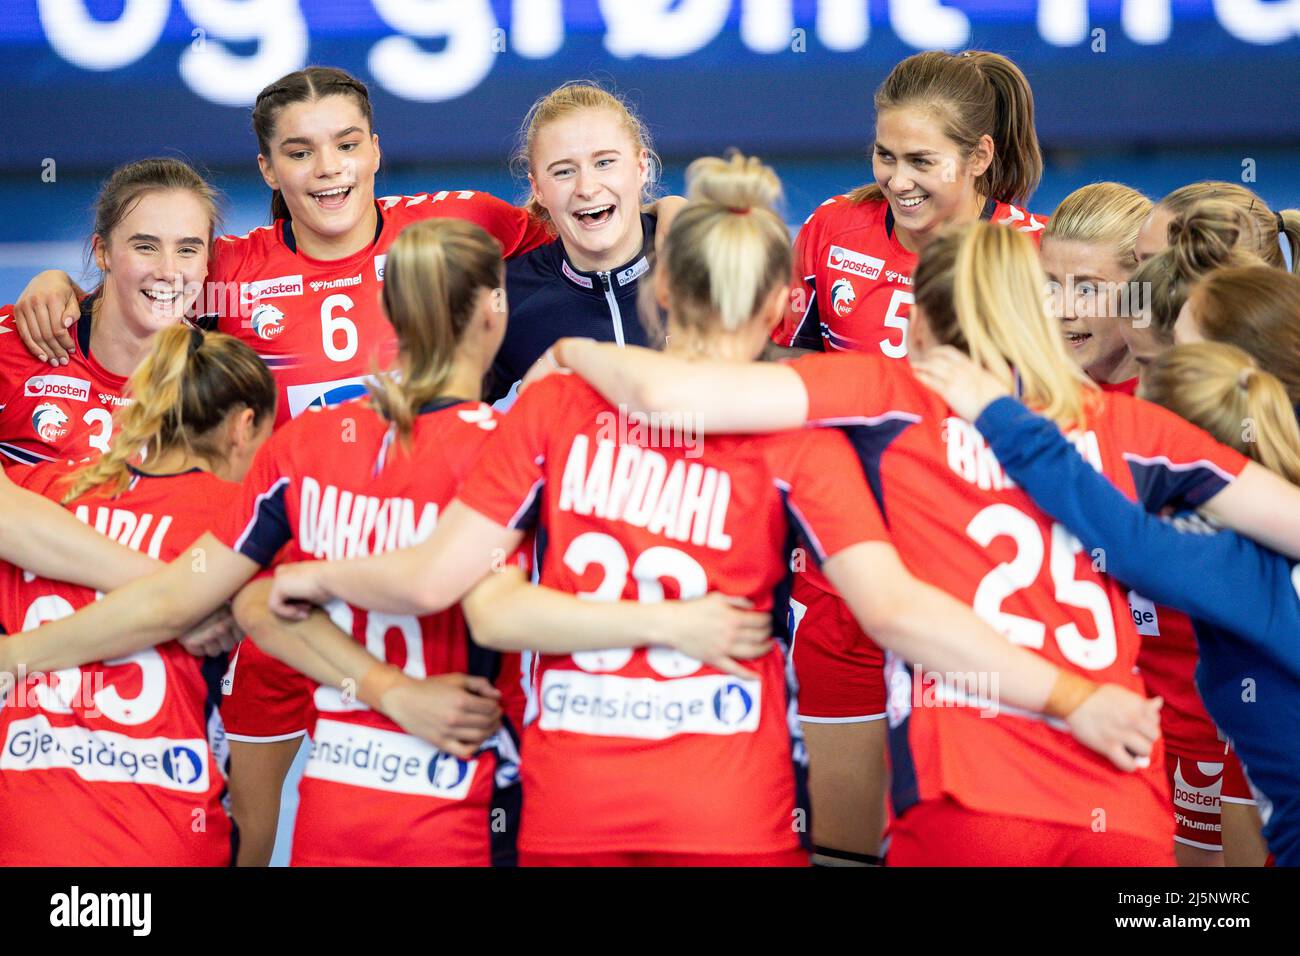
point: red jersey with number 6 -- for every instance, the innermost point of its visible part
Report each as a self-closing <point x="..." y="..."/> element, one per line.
<point x="54" y="414"/>
<point x="120" y="762"/>
<point x="852" y="283"/>
<point x="338" y="483"/>
<point x="318" y="324"/>
<point x="960" y="524"/>
<point x="650" y="750"/>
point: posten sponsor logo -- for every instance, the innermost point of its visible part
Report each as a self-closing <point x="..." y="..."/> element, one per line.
<point x="854" y="263"/>
<point x="57" y="386"/>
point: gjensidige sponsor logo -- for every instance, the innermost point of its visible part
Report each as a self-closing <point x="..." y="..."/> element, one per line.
<point x="272" y="288"/>
<point x="57" y="386"/>
<point x="606" y="705"/>
<point x="854" y="263"/>
<point x="385" y="760"/>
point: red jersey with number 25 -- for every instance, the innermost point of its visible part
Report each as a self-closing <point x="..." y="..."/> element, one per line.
<point x="318" y="324"/>
<point x="960" y="524"/>
<point x="852" y="283"/>
<point x="649" y="750"/>
<point x="337" y="483"/>
<point x="121" y="762"/>
<point x="54" y="414"/>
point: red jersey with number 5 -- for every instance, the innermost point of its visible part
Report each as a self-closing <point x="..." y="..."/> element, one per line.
<point x="318" y="324"/>
<point x="649" y="750"/>
<point x="852" y="283"/>
<point x="121" y="762"/>
<point x="960" y="524"/>
<point x="337" y="483"/>
<point x="54" y="414"/>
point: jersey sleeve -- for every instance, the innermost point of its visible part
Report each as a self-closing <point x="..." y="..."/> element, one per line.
<point x="801" y="326"/>
<point x="825" y="492"/>
<point x="506" y="483"/>
<point x="514" y="228"/>
<point x="1171" y="460"/>
<point x="1211" y="577"/>
<point x="844" y="387"/>
<point x="9" y="341"/>
<point x="257" y="525"/>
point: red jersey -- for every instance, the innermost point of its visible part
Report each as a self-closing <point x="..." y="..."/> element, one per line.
<point x="1168" y="664"/>
<point x="1127" y="387"/>
<point x="121" y="762"/>
<point x="963" y="526"/>
<point x="318" y="324"/>
<point x="649" y="750"/>
<point x="852" y="283"/>
<point x="336" y="484"/>
<point x="49" y="414"/>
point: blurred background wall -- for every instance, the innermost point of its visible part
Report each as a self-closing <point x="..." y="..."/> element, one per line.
<point x="1154" y="93"/>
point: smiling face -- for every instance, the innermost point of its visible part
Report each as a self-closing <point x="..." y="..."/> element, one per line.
<point x="323" y="159"/>
<point x="1086" y="279"/>
<point x="923" y="174"/>
<point x="589" y="173"/>
<point x="154" y="261"/>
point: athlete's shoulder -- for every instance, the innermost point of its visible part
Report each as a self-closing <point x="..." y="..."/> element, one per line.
<point x="1030" y="223"/>
<point x="846" y="213"/>
<point x="15" y="360"/>
<point x="451" y="203"/>
<point x="238" y="256"/>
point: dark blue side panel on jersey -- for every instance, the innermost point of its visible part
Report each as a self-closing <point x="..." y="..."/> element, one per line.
<point x="1159" y="484"/>
<point x="904" y="791"/>
<point x="269" y="529"/>
<point x="870" y="442"/>
<point x="782" y="631"/>
<point x="213" y="670"/>
<point x="809" y="333"/>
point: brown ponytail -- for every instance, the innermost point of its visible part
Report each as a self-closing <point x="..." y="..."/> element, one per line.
<point x="1220" y="388"/>
<point x="185" y="387"/>
<point x="1257" y="309"/>
<point x="313" y="83"/>
<point x="975" y="93"/>
<point x="433" y="277"/>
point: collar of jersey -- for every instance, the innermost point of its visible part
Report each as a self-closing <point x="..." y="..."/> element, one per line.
<point x="589" y="282"/>
<point x="286" y="236"/>
<point x="170" y="474"/>
<point x="990" y="206"/>
<point x="438" y="404"/>
<point x="83" y="341"/>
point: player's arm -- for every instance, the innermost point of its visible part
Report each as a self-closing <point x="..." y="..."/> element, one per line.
<point x="39" y="536"/>
<point x="929" y="627"/>
<point x="1260" y="505"/>
<point x="46" y="310"/>
<point x="423" y="579"/>
<point x="720" y="396"/>
<point x="507" y="613"/>
<point x="454" y="712"/>
<point x="144" y="613"/>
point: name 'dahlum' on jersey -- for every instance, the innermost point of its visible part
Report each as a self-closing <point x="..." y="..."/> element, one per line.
<point x="336" y="523"/>
<point x="685" y="502"/>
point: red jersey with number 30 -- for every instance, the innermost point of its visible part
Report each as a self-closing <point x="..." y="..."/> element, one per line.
<point x="649" y="750"/>
<point x="318" y="324"/>
<point x="54" y="414"/>
<point x="852" y="283"/>
<point x="337" y="483"/>
<point x="121" y="762"/>
<point x="960" y="524"/>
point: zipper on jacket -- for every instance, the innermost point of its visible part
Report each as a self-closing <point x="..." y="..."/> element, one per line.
<point x="615" y="315"/>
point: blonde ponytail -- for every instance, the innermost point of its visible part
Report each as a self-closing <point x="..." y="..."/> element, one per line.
<point x="728" y="248"/>
<point x="1220" y="388"/>
<point x="982" y="290"/>
<point x="434" y="274"/>
<point x="182" y="390"/>
<point x="1266" y="229"/>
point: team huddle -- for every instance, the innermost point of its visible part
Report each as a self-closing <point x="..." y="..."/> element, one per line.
<point x="955" y="534"/>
